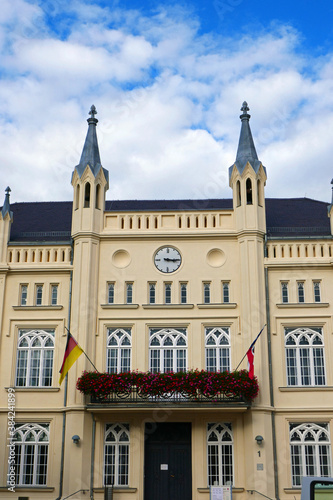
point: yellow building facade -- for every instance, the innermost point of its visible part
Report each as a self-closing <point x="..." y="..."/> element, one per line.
<point x="165" y="286"/>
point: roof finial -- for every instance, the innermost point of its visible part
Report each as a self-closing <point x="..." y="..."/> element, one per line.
<point x="245" y="109"/>
<point x="332" y="192"/>
<point x="93" y="111"/>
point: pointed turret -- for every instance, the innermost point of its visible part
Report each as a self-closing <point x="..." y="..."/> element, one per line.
<point x="6" y="219"/>
<point x="90" y="182"/>
<point x="247" y="177"/>
<point x="6" y="206"/>
<point x="330" y="209"/>
<point x="246" y="151"/>
<point x="90" y="153"/>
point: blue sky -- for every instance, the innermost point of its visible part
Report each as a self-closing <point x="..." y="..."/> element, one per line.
<point x="168" y="80"/>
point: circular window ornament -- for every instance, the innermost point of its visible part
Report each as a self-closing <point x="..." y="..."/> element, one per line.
<point x="121" y="259"/>
<point x="216" y="257"/>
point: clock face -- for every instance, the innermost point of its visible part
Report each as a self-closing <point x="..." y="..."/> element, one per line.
<point x="167" y="259"/>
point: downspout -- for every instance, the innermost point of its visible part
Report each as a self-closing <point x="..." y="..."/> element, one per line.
<point x="62" y="459"/>
<point x="271" y="392"/>
<point x="92" y="458"/>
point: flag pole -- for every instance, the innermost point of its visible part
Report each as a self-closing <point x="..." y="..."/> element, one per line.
<point x="84" y="352"/>
<point x="255" y="340"/>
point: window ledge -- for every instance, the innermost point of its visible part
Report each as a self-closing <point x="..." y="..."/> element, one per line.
<point x="34" y="389"/>
<point x="296" y="489"/>
<point x="117" y="489"/>
<point x="46" y="489"/>
<point x="35" y="308"/>
<point x="291" y="305"/>
<point x="303" y="388"/>
<point x="168" y="306"/>
<point x="221" y="305"/>
<point x="119" y="306"/>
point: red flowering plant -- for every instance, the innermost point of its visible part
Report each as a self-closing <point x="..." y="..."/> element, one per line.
<point x="192" y="384"/>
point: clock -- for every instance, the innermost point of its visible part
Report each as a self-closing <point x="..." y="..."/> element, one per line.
<point x="167" y="259"/>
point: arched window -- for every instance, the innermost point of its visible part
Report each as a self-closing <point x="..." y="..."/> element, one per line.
<point x="305" y="357"/>
<point x="260" y="201"/>
<point x="220" y="454"/>
<point x="217" y="349"/>
<point x="249" y="192"/>
<point x="31" y="453"/>
<point x="87" y="195"/>
<point x="310" y="450"/>
<point x="98" y="195"/>
<point x="35" y="358"/>
<point x="118" y="350"/>
<point x="167" y="350"/>
<point x="238" y="193"/>
<point x="77" y="197"/>
<point x="116" y="454"/>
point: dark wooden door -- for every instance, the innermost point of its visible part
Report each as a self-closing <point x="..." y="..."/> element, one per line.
<point x="168" y="469"/>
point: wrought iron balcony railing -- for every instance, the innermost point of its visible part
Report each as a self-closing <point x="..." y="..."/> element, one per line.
<point x="135" y="397"/>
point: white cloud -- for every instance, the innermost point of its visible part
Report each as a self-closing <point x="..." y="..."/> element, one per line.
<point x="168" y="100"/>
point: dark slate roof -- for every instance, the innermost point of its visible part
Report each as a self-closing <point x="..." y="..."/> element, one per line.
<point x="296" y="217"/>
<point x="41" y="221"/>
<point x="147" y="205"/>
<point x="51" y="221"/>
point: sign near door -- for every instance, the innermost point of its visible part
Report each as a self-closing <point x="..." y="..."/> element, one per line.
<point x="220" y="493"/>
<point x="164" y="467"/>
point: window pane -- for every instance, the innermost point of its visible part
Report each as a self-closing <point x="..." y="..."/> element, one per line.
<point x="111" y="293"/>
<point x="152" y="293"/>
<point x="207" y="293"/>
<point x="54" y="295"/>
<point x="183" y="293"/>
<point x="226" y="292"/>
<point x="129" y="293"/>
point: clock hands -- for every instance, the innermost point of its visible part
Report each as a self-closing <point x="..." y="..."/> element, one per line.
<point x="171" y="260"/>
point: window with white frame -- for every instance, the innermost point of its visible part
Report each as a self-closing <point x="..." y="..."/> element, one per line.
<point x="34" y="358"/>
<point x="217" y="349"/>
<point x="167" y="350"/>
<point x="285" y="292"/>
<point x="310" y="450"/>
<point x="225" y="294"/>
<point x="39" y="295"/>
<point x="110" y="293"/>
<point x="305" y="356"/>
<point x="116" y="454"/>
<point x="183" y="293"/>
<point x="54" y="295"/>
<point x="220" y="454"/>
<point x="206" y="293"/>
<point x="118" y="350"/>
<point x="23" y="295"/>
<point x="167" y="293"/>
<point x="129" y="293"/>
<point x="300" y="289"/>
<point x="31" y="454"/>
<point x="316" y="291"/>
<point x="152" y="293"/>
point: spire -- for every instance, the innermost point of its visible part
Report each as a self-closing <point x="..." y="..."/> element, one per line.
<point x="6" y="206"/>
<point x="246" y="151"/>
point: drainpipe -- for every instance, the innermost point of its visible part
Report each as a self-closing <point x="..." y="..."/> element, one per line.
<point x="92" y="458"/>
<point x="62" y="459"/>
<point x="271" y="392"/>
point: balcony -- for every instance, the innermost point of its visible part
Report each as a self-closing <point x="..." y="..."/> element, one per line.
<point x="182" y="389"/>
<point x="136" y="398"/>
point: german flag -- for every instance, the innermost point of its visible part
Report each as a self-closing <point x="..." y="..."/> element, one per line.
<point x="72" y="352"/>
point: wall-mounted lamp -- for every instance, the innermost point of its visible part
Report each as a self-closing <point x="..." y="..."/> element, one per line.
<point x="259" y="439"/>
<point x="76" y="439"/>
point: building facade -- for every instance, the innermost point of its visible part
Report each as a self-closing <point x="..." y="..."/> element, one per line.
<point x="165" y="287"/>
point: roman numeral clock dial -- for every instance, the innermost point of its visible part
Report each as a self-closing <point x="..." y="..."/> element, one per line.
<point x="167" y="259"/>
